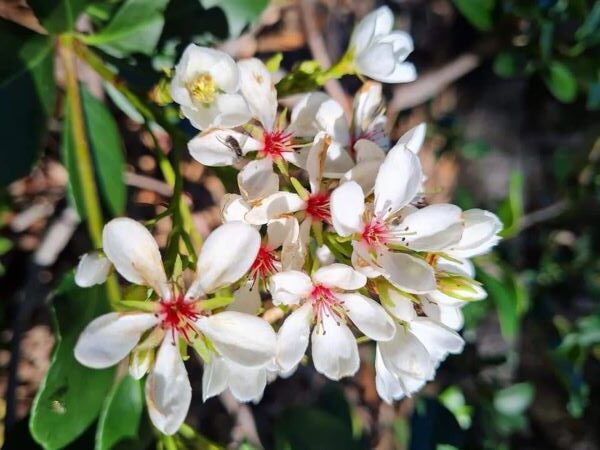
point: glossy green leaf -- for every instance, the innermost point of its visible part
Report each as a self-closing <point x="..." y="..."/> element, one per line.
<point x="135" y="28"/>
<point x="120" y="418"/>
<point x="58" y="16"/>
<point x="108" y="152"/>
<point x="503" y="294"/>
<point x="561" y="82"/>
<point x="27" y="94"/>
<point x="239" y="13"/>
<point x="514" y="399"/>
<point x="71" y="395"/>
<point x="477" y="12"/>
<point x="511" y="210"/>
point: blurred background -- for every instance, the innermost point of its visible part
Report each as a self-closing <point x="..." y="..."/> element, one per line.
<point x="510" y="92"/>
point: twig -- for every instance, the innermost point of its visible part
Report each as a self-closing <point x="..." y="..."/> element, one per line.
<point x="430" y="84"/>
<point x="319" y="51"/>
<point x="543" y="214"/>
<point x="148" y="183"/>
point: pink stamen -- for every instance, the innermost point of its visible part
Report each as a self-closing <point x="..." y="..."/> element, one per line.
<point x="317" y="207"/>
<point x="324" y="301"/>
<point x="275" y="143"/>
<point x="265" y="263"/>
<point x="375" y="233"/>
<point x="177" y="315"/>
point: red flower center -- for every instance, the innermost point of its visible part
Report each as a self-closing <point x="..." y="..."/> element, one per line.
<point x="275" y="143"/>
<point x="374" y="233"/>
<point x="324" y="301"/>
<point x="177" y="315"/>
<point x="317" y="207"/>
<point x="264" y="264"/>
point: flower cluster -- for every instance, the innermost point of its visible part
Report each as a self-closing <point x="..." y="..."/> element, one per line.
<point x="331" y="226"/>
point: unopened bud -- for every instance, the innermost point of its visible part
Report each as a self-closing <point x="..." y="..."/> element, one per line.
<point x="461" y="288"/>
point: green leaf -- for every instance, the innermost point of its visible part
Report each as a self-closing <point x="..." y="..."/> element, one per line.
<point x="506" y="301"/>
<point x="506" y="65"/>
<point x="58" y="16"/>
<point x="107" y="150"/>
<point x="477" y="12"/>
<point x="71" y="395"/>
<point x="514" y="399"/>
<point x="135" y="28"/>
<point x="108" y="153"/>
<point x="561" y="82"/>
<point x="5" y="245"/>
<point x="120" y="418"/>
<point x="238" y="12"/>
<point x="593" y="99"/>
<point x="304" y="428"/>
<point x="27" y="94"/>
<point x="511" y="210"/>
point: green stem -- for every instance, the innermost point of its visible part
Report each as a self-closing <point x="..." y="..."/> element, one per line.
<point x="83" y="156"/>
<point x="149" y="116"/>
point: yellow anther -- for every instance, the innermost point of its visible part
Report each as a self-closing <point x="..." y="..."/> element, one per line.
<point x="203" y="89"/>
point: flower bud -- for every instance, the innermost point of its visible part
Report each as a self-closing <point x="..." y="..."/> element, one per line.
<point x="461" y="288"/>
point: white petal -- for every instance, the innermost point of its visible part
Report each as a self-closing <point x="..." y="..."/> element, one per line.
<point x="109" y="338"/>
<point x="458" y="266"/>
<point x="376" y="23"/>
<point x="398" y="180"/>
<point x="401" y="307"/>
<point x="258" y="180"/>
<point x="334" y="349"/>
<point x="402" y="73"/>
<point x="198" y="60"/>
<point x="274" y="206"/>
<point x="302" y="118"/>
<point x="246" y="383"/>
<point x="369" y="316"/>
<point x="201" y="117"/>
<point x="367" y="106"/>
<point x="364" y="261"/>
<point x="340" y="276"/>
<point x="225" y="257"/>
<point x="288" y="288"/>
<point x="451" y="316"/>
<point x="280" y="231"/>
<point x="292" y="337"/>
<point x="387" y="384"/>
<point x="364" y="174"/>
<point x="245" y="339"/>
<point x="168" y="390"/>
<point x="413" y="139"/>
<point x="408" y="273"/>
<point x="324" y="255"/>
<point x="92" y="269"/>
<point x="211" y="148"/>
<point x="331" y="119"/>
<point x="214" y="377"/>
<point x="377" y="62"/>
<point x="232" y="111"/>
<point x="234" y="208"/>
<point x="246" y="299"/>
<point x="433" y="228"/>
<point x="258" y="89"/>
<point x="135" y="254"/>
<point x="480" y="234"/>
<point x="405" y="353"/>
<point x="337" y="160"/>
<point x="347" y="204"/>
<point x="315" y="163"/>
<point x="295" y="245"/>
<point x="367" y="150"/>
<point x="438" y="339"/>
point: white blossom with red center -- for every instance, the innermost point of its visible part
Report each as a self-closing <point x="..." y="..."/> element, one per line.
<point x="389" y="234"/>
<point x="326" y="301"/>
<point x="241" y="338"/>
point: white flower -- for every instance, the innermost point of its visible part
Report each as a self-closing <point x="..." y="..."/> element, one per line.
<point x="245" y="383"/>
<point x="391" y="223"/>
<point x="206" y="84"/>
<point x="327" y="300"/>
<point x="380" y="53"/>
<point x="247" y="340"/>
<point x="93" y="268"/>
<point x="368" y="115"/>
<point x="404" y="363"/>
<point x="223" y="147"/>
<point x="370" y="155"/>
<point x="479" y="236"/>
